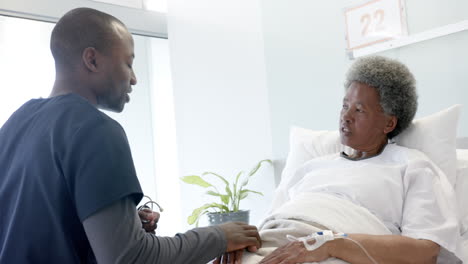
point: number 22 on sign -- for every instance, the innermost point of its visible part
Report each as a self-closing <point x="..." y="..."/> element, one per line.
<point x="373" y="22"/>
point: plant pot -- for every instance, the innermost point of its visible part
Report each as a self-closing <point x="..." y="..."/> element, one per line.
<point x="219" y="218"/>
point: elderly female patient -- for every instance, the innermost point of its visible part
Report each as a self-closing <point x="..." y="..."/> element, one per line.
<point x="392" y="202"/>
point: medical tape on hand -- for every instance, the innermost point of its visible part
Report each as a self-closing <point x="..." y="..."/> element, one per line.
<point x="320" y="238"/>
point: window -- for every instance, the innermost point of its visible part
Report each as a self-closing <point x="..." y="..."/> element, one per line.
<point x="156" y="5"/>
<point x="153" y="5"/>
<point x="27" y="66"/>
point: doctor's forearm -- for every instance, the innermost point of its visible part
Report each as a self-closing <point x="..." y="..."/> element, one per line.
<point x="116" y="236"/>
<point x="385" y="249"/>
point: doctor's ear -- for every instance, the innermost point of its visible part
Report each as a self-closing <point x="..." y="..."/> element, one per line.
<point x="90" y="59"/>
<point x="391" y="124"/>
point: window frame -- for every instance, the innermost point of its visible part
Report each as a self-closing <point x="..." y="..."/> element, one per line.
<point x="139" y="21"/>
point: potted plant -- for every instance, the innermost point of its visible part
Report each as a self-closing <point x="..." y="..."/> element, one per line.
<point x="227" y="209"/>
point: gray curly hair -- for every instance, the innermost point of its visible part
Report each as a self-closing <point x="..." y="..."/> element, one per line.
<point x="394" y="83"/>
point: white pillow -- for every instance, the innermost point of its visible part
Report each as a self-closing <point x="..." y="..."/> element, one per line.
<point x="306" y="144"/>
<point x="435" y="135"/>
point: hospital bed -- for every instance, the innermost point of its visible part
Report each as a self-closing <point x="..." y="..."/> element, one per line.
<point x="434" y="135"/>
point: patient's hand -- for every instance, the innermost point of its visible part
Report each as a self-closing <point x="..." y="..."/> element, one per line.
<point x="149" y="220"/>
<point x="295" y="252"/>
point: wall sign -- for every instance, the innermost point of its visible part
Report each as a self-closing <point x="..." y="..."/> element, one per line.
<point x="373" y="22"/>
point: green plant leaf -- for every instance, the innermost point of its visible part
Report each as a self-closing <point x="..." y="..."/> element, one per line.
<point x="197" y="213"/>
<point x="198" y="220"/>
<point x="196" y="180"/>
<point x="236" y="191"/>
<point x="217" y="175"/>
<point x="245" y="182"/>
<point x="250" y="191"/>
<point x="193" y="218"/>
<point x="228" y="191"/>
<point x="237" y="180"/>
<point x="225" y="199"/>
<point x="243" y="195"/>
<point x="235" y="196"/>
<point x="222" y="207"/>
<point x="259" y="164"/>
<point x="213" y="193"/>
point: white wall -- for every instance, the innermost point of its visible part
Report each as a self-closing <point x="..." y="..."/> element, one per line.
<point x="306" y="62"/>
<point x="221" y="98"/>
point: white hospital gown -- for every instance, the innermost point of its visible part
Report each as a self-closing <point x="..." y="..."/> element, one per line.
<point x="400" y="186"/>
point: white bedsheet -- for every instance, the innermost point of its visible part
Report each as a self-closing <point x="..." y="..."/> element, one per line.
<point x="310" y="213"/>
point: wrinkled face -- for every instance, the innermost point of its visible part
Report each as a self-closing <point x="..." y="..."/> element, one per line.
<point x="118" y="75"/>
<point x="363" y="124"/>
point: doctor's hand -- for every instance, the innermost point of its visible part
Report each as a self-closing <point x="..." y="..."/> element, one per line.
<point x="295" y="252"/>
<point x="239" y="236"/>
<point x="149" y="219"/>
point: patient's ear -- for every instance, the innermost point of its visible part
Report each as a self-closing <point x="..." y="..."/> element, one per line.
<point x="391" y="124"/>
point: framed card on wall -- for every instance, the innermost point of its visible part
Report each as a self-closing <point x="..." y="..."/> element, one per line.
<point x="374" y="21"/>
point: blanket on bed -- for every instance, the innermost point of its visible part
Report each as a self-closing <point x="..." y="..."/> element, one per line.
<point x="310" y="213"/>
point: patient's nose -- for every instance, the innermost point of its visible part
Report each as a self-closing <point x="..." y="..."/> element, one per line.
<point x="346" y="116"/>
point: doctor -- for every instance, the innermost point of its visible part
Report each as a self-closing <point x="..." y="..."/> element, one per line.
<point x="68" y="187"/>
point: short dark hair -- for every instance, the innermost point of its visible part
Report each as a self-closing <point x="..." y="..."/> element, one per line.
<point x="79" y="29"/>
<point x="395" y="85"/>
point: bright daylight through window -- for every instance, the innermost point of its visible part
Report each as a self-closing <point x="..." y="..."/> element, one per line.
<point x="153" y="5"/>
